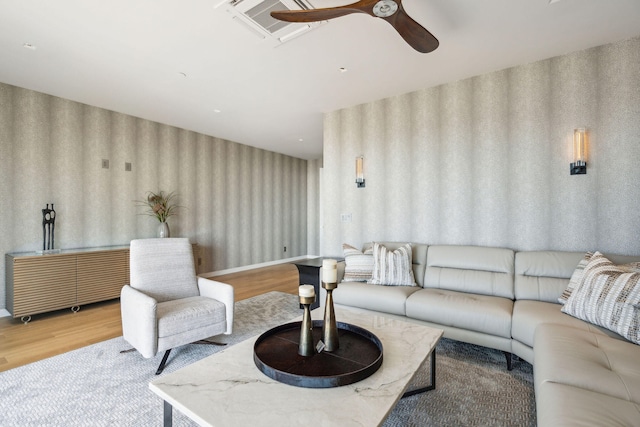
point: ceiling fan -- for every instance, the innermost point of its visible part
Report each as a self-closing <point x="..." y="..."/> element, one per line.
<point x="390" y="10"/>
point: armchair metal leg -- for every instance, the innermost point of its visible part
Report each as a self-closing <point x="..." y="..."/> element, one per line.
<point x="164" y="362"/>
<point x="166" y="353"/>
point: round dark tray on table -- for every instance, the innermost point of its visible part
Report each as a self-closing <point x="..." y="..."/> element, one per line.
<point x="359" y="355"/>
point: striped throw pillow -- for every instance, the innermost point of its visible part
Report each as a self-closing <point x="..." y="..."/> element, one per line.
<point x="608" y="296"/>
<point x="358" y="265"/>
<point x="576" y="278"/>
<point x="393" y="268"/>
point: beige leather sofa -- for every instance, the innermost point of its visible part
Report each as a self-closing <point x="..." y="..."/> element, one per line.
<point x="507" y="300"/>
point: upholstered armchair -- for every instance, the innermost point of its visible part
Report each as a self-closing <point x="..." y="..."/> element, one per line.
<point x="166" y="305"/>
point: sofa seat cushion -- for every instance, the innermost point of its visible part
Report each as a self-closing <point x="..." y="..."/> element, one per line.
<point x="564" y="405"/>
<point x="386" y="299"/>
<point x="481" y="313"/>
<point x="186" y="314"/>
<point x="528" y="314"/>
<point x="587" y="360"/>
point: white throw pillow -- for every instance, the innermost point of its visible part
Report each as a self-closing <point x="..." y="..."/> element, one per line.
<point x="608" y="296"/>
<point x="576" y="278"/>
<point x="393" y="268"/>
<point x="358" y="265"/>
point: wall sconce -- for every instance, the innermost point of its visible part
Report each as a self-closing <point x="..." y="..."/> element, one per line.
<point x="579" y="165"/>
<point x="359" y="172"/>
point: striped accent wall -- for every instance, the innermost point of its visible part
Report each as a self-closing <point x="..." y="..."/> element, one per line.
<point x="242" y="205"/>
<point x="485" y="161"/>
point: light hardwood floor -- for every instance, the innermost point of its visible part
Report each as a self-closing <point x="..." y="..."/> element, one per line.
<point x="61" y="331"/>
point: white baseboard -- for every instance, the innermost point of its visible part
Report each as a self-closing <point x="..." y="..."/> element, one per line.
<point x="4" y="313"/>
<point x="251" y="267"/>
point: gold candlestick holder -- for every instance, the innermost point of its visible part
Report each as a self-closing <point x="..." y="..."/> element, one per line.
<point x="306" y="347"/>
<point x="329" y="327"/>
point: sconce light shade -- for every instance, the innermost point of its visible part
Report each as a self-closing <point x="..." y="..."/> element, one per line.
<point x="579" y="165"/>
<point x="359" y="172"/>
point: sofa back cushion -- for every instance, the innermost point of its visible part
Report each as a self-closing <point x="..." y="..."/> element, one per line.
<point x="419" y="257"/>
<point x="544" y="275"/>
<point x="472" y="269"/>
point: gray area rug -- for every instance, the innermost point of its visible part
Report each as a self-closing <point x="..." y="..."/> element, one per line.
<point x="98" y="386"/>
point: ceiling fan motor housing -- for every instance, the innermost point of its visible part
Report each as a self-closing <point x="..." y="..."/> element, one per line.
<point x="385" y="8"/>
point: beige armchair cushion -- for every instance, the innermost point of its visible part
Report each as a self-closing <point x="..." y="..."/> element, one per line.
<point x="182" y="315"/>
<point x="163" y="268"/>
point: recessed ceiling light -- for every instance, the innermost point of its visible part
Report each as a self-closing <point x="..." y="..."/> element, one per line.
<point x="342" y="70"/>
<point x="183" y="74"/>
<point x="301" y="140"/>
<point x="29" y="46"/>
<point x="217" y="111"/>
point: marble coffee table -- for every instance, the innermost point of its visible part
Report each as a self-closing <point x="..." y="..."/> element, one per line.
<point x="227" y="389"/>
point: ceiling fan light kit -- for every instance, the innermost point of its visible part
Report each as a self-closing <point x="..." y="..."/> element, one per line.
<point x="391" y="11"/>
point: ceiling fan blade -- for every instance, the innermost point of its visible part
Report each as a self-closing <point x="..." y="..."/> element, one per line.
<point x="412" y="32"/>
<point x="391" y="11"/>
<point x="313" y="15"/>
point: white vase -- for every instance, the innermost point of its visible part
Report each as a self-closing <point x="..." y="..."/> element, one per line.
<point x="163" y="230"/>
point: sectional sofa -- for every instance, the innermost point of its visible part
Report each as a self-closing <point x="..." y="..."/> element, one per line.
<point x="495" y="297"/>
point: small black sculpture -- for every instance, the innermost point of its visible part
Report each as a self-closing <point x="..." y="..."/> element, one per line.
<point x="48" y="227"/>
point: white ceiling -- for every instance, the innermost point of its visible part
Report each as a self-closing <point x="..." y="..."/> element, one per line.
<point x="128" y="56"/>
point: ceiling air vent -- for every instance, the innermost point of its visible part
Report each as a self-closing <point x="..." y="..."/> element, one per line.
<point x="256" y="16"/>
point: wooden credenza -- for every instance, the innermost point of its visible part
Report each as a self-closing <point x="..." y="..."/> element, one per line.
<point x="71" y="278"/>
<point x="38" y="283"/>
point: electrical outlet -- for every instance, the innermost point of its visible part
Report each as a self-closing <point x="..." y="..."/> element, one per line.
<point x="285" y="249"/>
<point x="105" y="163"/>
<point x="345" y="217"/>
<point x="127" y="167"/>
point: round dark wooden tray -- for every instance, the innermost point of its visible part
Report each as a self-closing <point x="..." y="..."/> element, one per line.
<point x="275" y="353"/>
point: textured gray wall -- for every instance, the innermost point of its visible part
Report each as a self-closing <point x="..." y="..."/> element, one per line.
<point x="242" y="204"/>
<point x="485" y="161"/>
